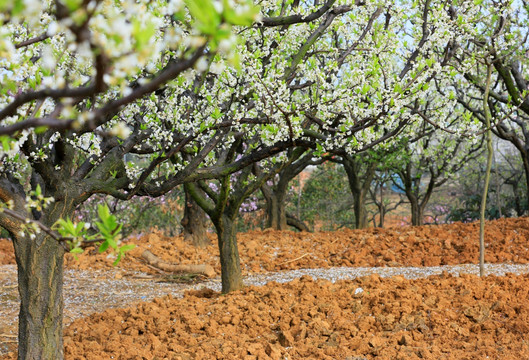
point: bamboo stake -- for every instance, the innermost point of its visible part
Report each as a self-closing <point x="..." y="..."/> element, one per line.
<point x="486" y="110"/>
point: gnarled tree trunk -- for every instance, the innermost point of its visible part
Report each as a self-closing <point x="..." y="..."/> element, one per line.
<point x="229" y="253"/>
<point x="359" y="184"/>
<point x="40" y="284"/>
<point x="194" y="223"/>
<point x="276" y="195"/>
<point x="275" y="207"/>
<point x="416" y="213"/>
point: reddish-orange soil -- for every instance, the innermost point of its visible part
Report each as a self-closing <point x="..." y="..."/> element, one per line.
<point x="441" y="317"/>
<point x="507" y="241"/>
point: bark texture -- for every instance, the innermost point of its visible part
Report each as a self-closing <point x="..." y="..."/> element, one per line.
<point x="40" y="285"/>
<point x="195" y="223"/>
<point x="359" y="175"/>
<point x="229" y="254"/>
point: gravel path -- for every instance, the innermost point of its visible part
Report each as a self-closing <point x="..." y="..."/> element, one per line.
<point x="87" y="292"/>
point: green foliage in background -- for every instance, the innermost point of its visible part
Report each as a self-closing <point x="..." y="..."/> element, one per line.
<point x="326" y="200"/>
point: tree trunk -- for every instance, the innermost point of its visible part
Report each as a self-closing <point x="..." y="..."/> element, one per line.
<point x="229" y="254"/>
<point x="382" y="217"/>
<point x="382" y="207"/>
<point x="359" y="183"/>
<point x="517" y="204"/>
<point x="40" y="284"/>
<point x="360" y="210"/>
<point x="40" y="261"/>
<point x="416" y="212"/>
<point x="276" y="211"/>
<point x="194" y="223"/>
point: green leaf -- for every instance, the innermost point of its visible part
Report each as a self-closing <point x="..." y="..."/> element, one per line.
<point x="6" y="142"/>
<point x="127" y="247"/>
<point x="118" y="259"/>
<point x="76" y="251"/>
<point x="72" y="5"/>
<point x="16" y="7"/>
<point x="142" y="33"/>
<point x="103" y="247"/>
<point x="206" y="17"/>
<point x="40" y="129"/>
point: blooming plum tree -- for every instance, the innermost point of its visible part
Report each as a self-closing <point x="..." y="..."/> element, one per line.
<point x="133" y="98"/>
<point x="502" y="30"/>
<point x="430" y="158"/>
<point x="73" y="78"/>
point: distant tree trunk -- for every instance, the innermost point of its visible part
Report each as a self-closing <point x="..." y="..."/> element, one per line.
<point x="229" y="254"/>
<point x="276" y="195"/>
<point x="517" y="204"/>
<point x="223" y="216"/>
<point x="359" y="185"/>
<point x="194" y="223"/>
<point x="381" y="207"/>
<point x="275" y="206"/>
<point x="416" y="213"/>
<point x="382" y="216"/>
<point x="526" y="170"/>
<point x="412" y="190"/>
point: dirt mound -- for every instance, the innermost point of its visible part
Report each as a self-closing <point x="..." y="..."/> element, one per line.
<point x="264" y="251"/>
<point x="268" y="250"/>
<point x="441" y="317"/>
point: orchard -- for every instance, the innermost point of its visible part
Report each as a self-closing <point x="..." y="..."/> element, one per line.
<point x="224" y="115"/>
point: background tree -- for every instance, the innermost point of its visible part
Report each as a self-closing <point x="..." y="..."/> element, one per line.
<point x="508" y="177"/>
<point x="430" y="158"/>
<point x="360" y="170"/>
<point x="222" y="201"/>
<point x="194" y="222"/>
<point x="275" y="192"/>
<point x="501" y="37"/>
<point x="326" y="200"/>
<point x="380" y="192"/>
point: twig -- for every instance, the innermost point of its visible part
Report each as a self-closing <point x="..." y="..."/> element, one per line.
<point x="296" y="259"/>
<point x="8" y="335"/>
<point x="45" y="228"/>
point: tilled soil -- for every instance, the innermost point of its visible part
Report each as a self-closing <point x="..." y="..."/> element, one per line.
<point x="439" y="317"/>
<point x="264" y="251"/>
